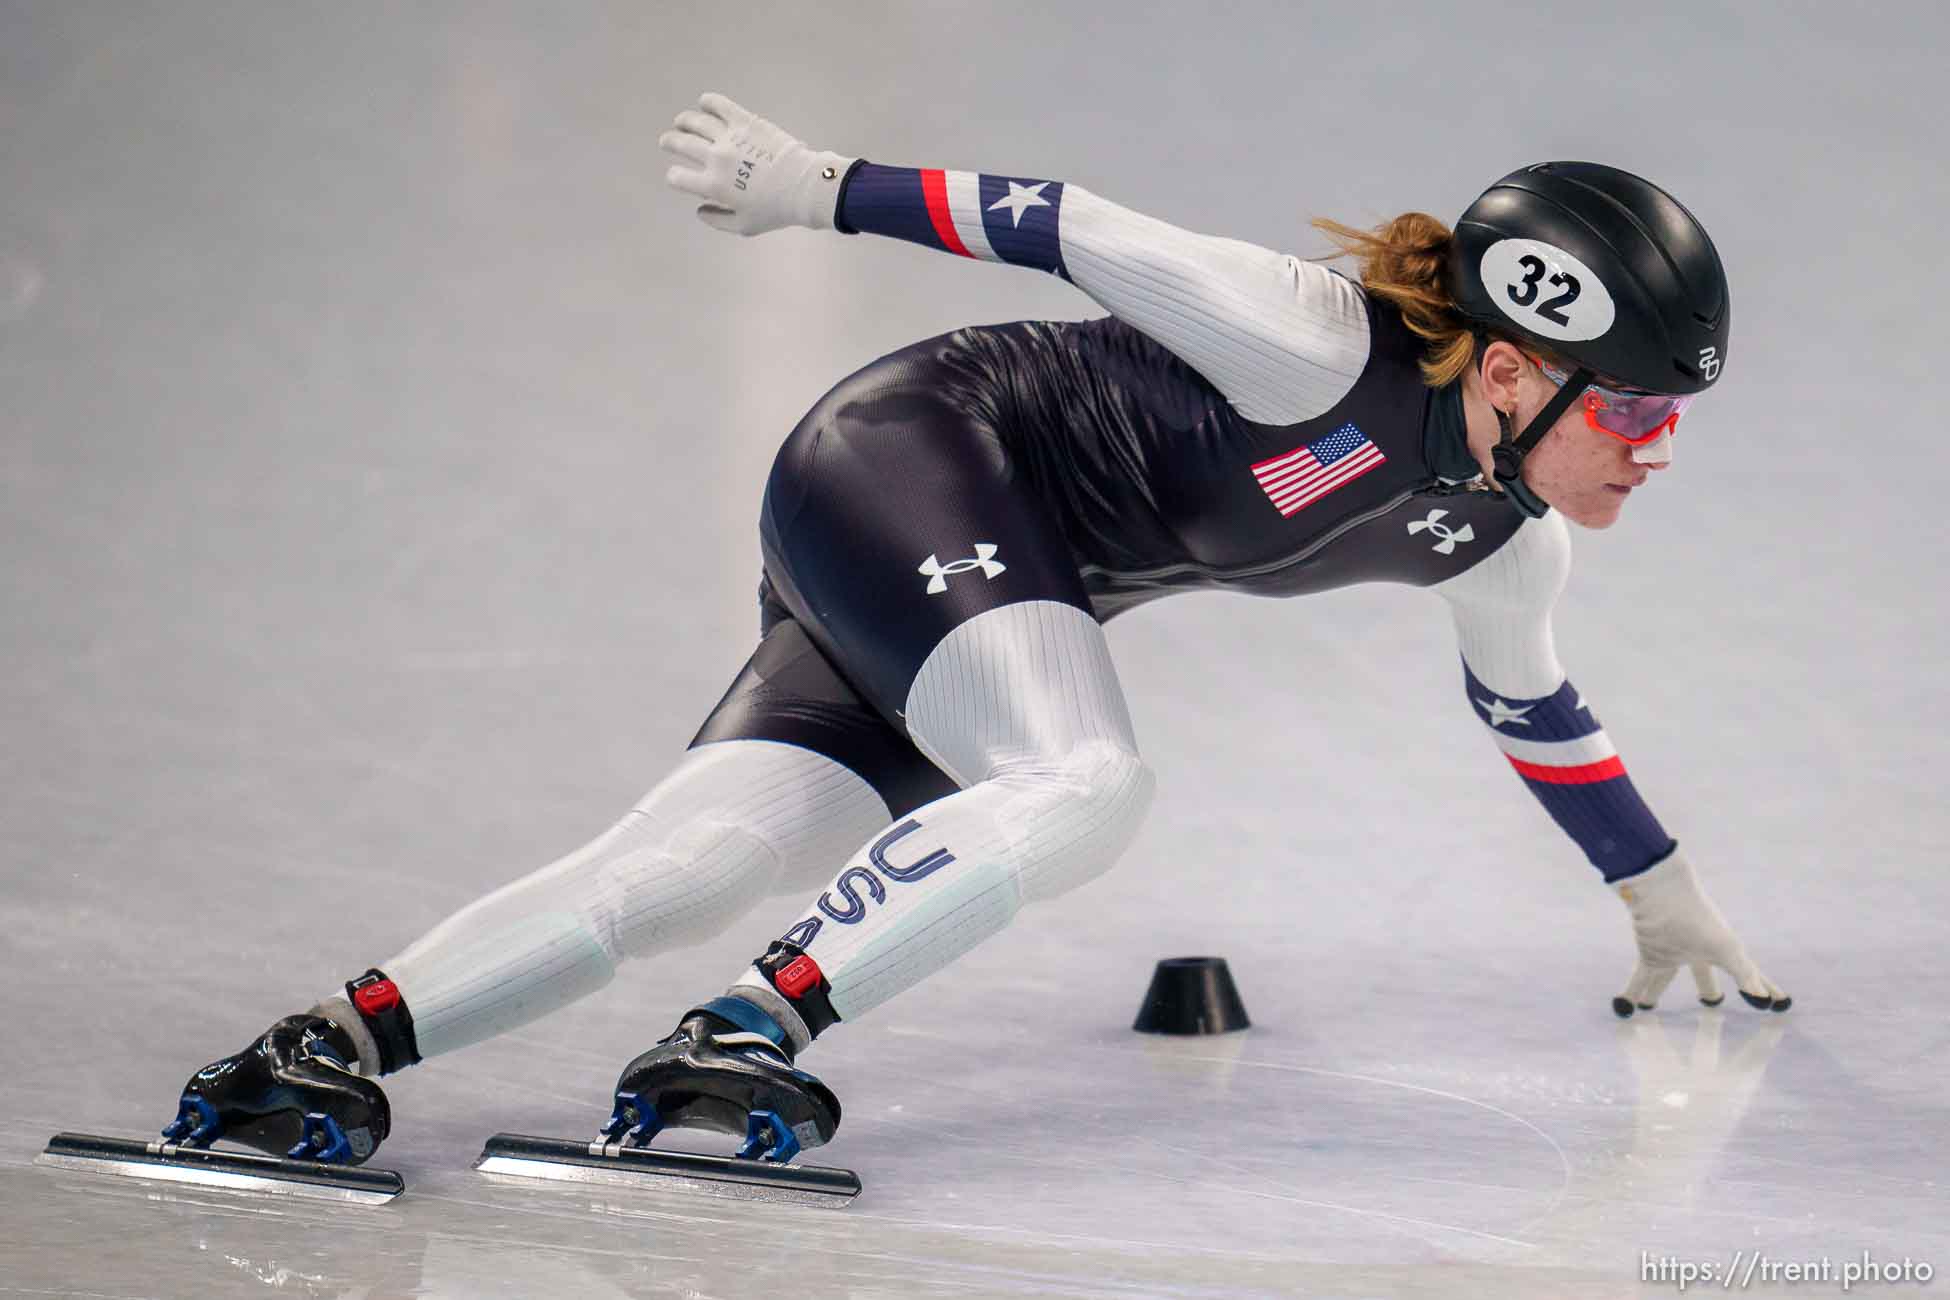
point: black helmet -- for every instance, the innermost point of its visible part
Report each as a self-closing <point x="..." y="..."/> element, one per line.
<point x="1603" y="268"/>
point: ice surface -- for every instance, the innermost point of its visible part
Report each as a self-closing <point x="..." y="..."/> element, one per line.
<point x="380" y="452"/>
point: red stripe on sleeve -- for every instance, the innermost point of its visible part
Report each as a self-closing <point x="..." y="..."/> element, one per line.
<point x="934" y="186"/>
<point x="1586" y="774"/>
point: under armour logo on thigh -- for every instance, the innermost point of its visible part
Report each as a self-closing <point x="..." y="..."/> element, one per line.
<point x="937" y="572"/>
<point x="1450" y="536"/>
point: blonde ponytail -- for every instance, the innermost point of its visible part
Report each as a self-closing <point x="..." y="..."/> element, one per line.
<point x="1403" y="262"/>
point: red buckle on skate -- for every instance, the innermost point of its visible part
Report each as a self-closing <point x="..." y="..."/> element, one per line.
<point x="376" y="998"/>
<point x="798" y="975"/>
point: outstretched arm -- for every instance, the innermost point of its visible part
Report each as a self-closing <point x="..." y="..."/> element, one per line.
<point x="1549" y="734"/>
<point x="1283" y="339"/>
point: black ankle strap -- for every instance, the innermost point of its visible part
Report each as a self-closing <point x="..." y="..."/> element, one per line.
<point x="379" y="1004"/>
<point x="799" y="980"/>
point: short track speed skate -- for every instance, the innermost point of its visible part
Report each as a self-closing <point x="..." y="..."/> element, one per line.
<point x="292" y="1095"/>
<point x="726" y="1068"/>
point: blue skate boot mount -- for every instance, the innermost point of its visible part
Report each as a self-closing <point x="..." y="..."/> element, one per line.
<point x="293" y="1094"/>
<point x="727" y="1067"/>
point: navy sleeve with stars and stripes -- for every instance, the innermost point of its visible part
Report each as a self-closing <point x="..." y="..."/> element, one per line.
<point x="1564" y="756"/>
<point x="970" y="214"/>
<point x="1519" y="690"/>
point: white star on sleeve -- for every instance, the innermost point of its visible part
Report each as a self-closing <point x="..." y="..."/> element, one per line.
<point x="1020" y="197"/>
<point x="1502" y="714"/>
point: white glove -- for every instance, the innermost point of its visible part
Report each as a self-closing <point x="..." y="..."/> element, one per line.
<point x="1676" y="924"/>
<point x="752" y="176"/>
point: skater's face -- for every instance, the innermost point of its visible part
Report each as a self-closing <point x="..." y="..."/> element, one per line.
<point x="1582" y="472"/>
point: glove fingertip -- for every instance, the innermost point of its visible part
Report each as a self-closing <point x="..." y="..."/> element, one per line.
<point x="1622" y="1008"/>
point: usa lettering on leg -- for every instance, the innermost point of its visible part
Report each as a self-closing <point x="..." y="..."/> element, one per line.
<point x="851" y="907"/>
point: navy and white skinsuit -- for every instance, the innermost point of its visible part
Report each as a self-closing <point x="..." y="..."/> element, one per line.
<point x="930" y="732"/>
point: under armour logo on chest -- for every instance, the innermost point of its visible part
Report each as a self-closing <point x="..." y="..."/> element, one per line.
<point x="1450" y="536"/>
<point x="938" y="573"/>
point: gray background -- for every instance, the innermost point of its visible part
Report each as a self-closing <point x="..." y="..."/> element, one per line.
<point x="380" y="451"/>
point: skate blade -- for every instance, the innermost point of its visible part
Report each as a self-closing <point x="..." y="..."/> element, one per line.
<point x="230" y="1170"/>
<point x="514" y="1155"/>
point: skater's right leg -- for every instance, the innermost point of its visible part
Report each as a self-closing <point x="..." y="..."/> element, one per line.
<point x="736" y="821"/>
<point x="788" y="774"/>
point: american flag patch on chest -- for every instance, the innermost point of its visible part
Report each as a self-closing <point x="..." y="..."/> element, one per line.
<point x="1295" y="480"/>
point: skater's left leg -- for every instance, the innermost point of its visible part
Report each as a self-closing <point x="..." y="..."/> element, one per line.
<point x="993" y="664"/>
<point x="1023" y="704"/>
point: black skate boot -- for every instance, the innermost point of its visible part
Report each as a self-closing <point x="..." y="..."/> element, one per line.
<point x="294" y="1092"/>
<point x="727" y="1067"/>
<point x="291" y="1093"/>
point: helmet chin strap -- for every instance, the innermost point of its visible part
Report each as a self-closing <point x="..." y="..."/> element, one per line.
<point x="1507" y="456"/>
